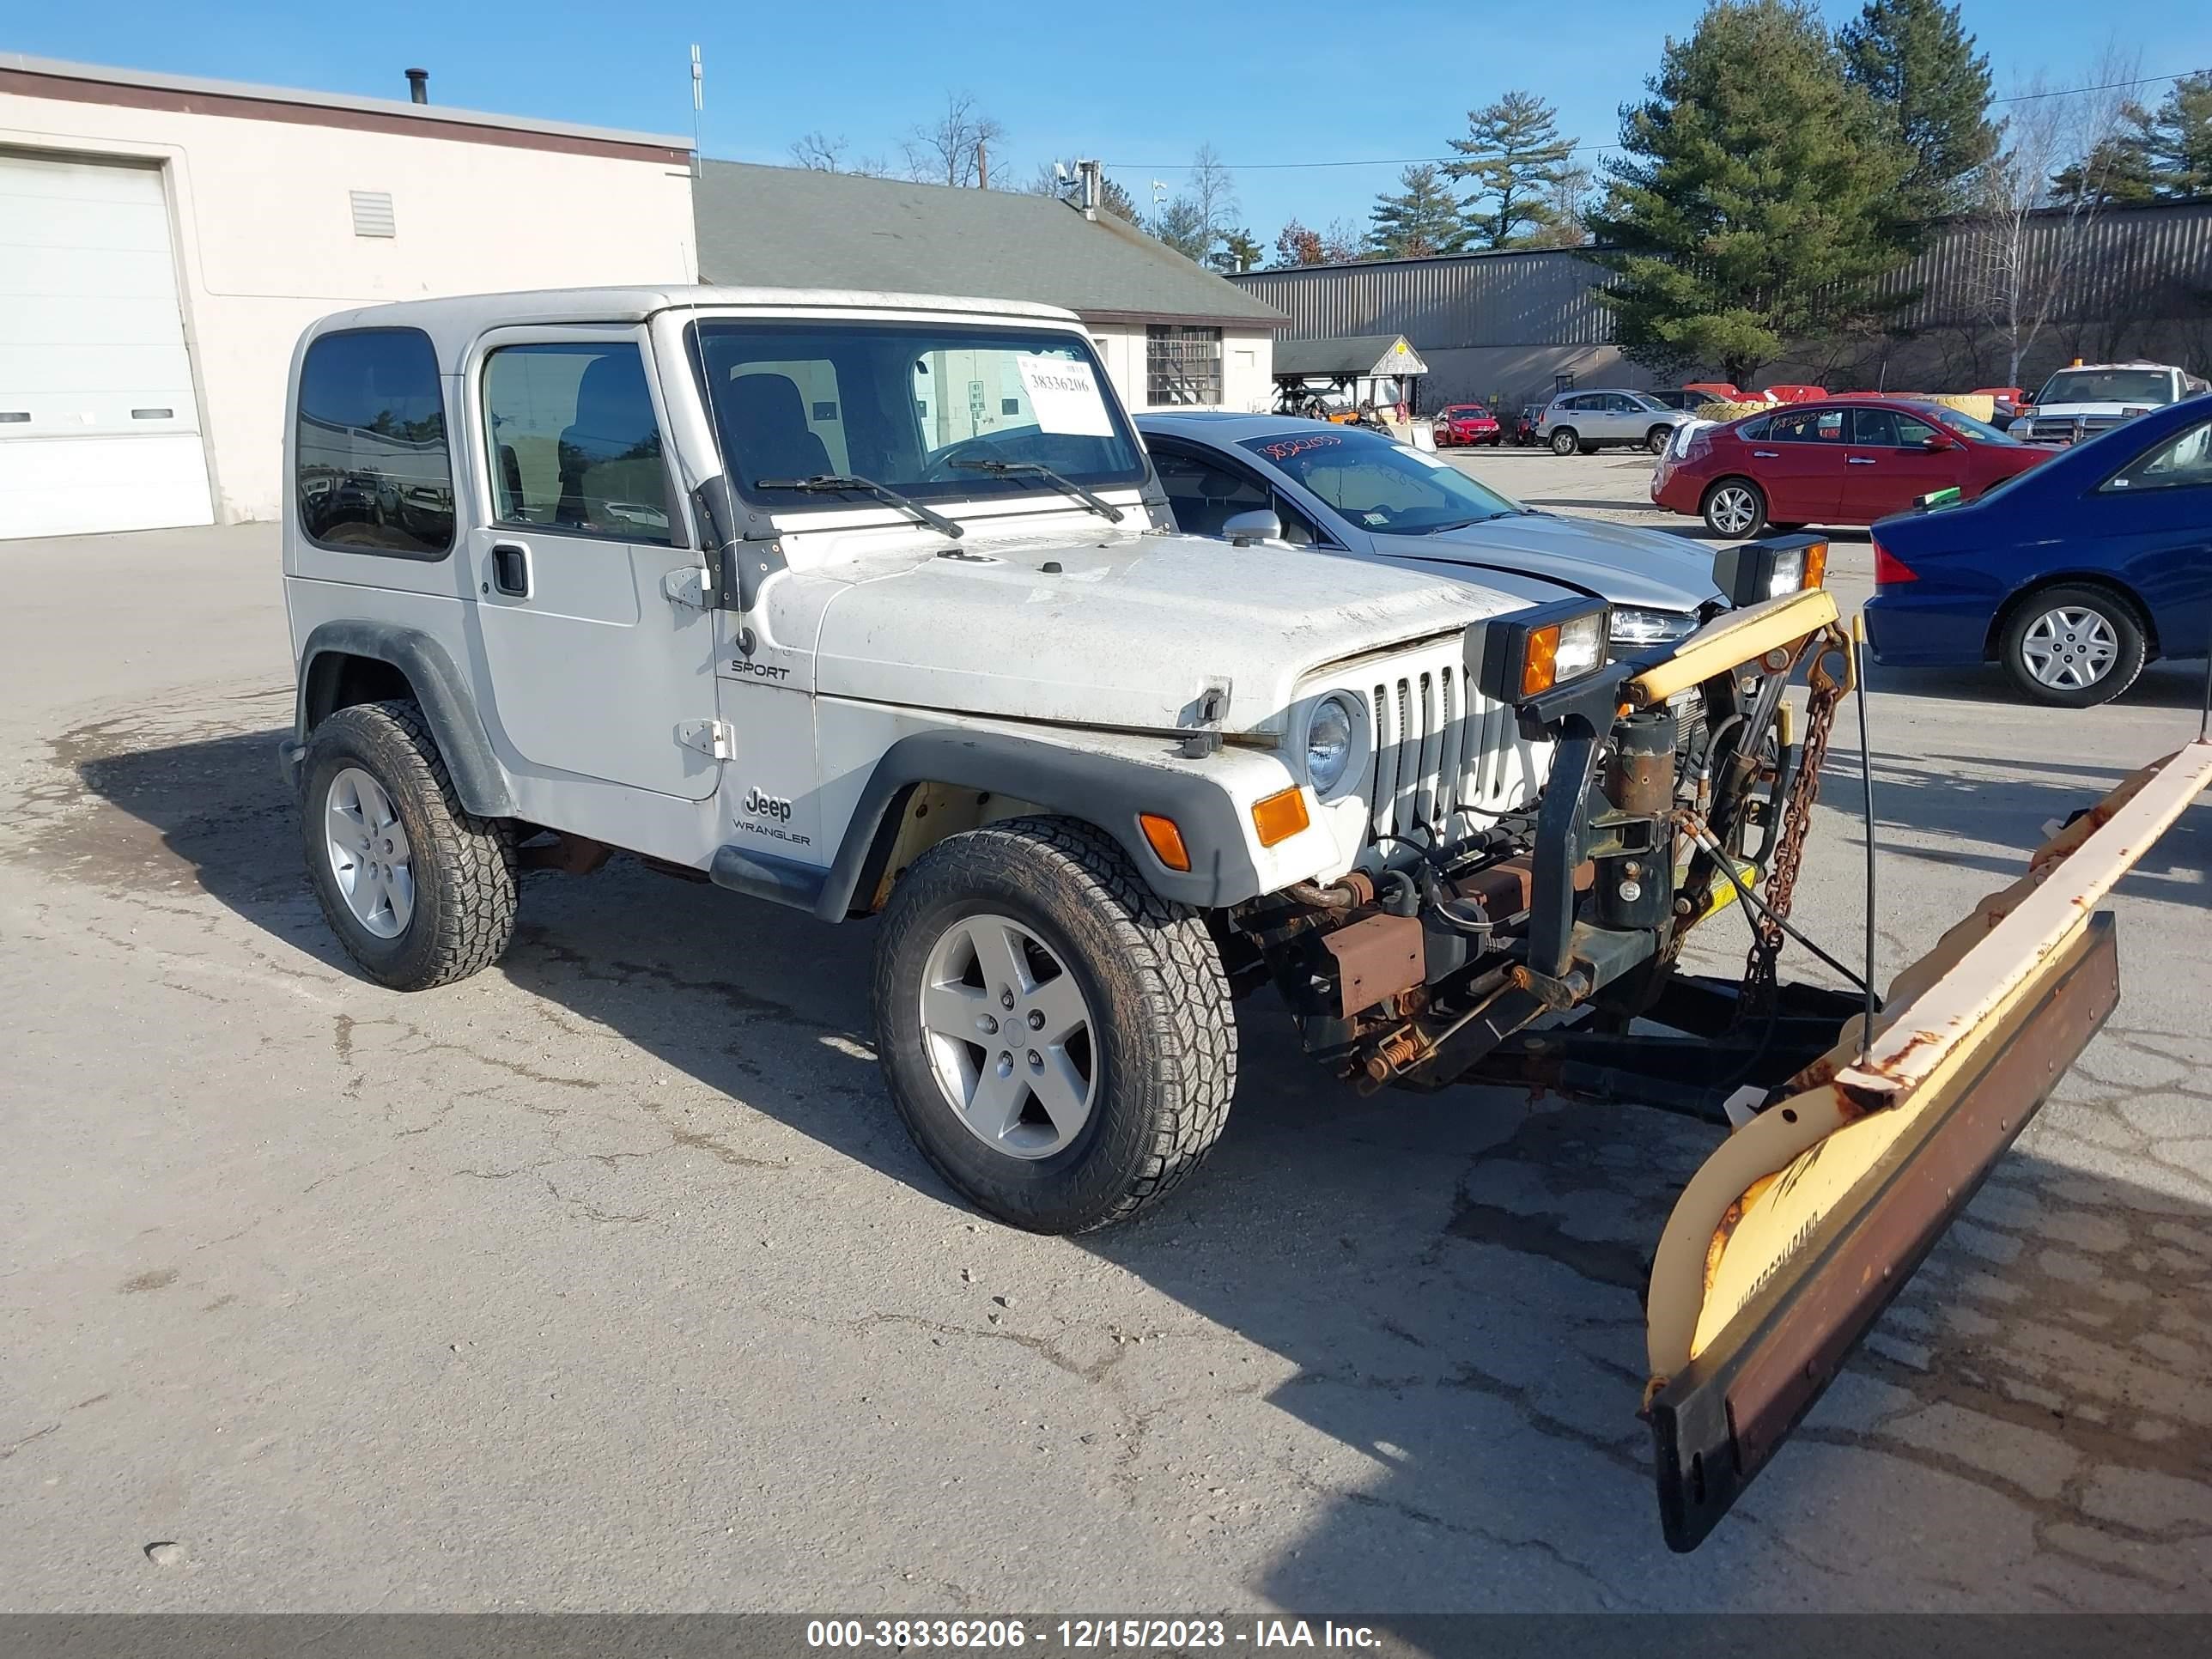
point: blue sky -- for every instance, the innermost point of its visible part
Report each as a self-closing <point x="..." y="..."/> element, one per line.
<point x="1140" y="83"/>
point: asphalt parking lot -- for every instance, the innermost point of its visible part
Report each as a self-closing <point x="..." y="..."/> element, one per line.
<point x="607" y="1279"/>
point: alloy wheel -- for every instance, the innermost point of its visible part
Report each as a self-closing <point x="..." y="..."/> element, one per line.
<point x="1010" y="1036"/>
<point x="368" y="853"/>
<point x="1733" y="510"/>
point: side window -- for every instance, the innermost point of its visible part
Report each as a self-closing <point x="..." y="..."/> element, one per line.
<point x="372" y="470"/>
<point x="1205" y="494"/>
<point x="1298" y="529"/>
<point x="2182" y="462"/>
<point x="574" y="443"/>
<point x="1885" y="428"/>
<point x="1754" y="432"/>
<point x="1814" y="425"/>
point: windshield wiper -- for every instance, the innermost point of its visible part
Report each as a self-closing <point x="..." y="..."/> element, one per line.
<point x="833" y="483"/>
<point x="1461" y="524"/>
<point x="1033" y="470"/>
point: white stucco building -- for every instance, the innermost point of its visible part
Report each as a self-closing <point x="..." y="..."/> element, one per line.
<point x="163" y="241"/>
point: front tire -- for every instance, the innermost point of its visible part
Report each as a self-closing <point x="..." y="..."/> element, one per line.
<point x="1658" y="438"/>
<point x="2074" y="647"/>
<point x="1564" y="442"/>
<point x="1734" y="508"/>
<point x="419" y="892"/>
<point x="1057" y="1037"/>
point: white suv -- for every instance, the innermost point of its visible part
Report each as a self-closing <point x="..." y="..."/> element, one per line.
<point x="872" y="605"/>
<point x="1585" y="421"/>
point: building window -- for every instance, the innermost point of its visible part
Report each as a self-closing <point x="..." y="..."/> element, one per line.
<point x="373" y="474"/>
<point x="1182" y="365"/>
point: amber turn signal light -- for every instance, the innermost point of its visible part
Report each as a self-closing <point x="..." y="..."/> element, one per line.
<point x="1280" y="817"/>
<point x="1165" y="840"/>
<point x="1539" y="662"/>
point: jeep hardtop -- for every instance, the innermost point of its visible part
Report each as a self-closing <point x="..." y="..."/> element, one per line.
<point x="871" y="604"/>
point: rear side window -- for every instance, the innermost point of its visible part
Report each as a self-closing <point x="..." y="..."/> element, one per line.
<point x="1814" y="425"/>
<point x="575" y="444"/>
<point x="2182" y="462"/>
<point x="372" y="469"/>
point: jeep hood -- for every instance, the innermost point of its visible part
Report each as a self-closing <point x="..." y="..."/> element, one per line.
<point x="1648" y="569"/>
<point x="1127" y="634"/>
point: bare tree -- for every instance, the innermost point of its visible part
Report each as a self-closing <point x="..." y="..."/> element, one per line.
<point x="1213" y="194"/>
<point x="2026" y="242"/>
<point x="817" y="152"/>
<point x="1567" y="197"/>
<point x="954" y="148"/>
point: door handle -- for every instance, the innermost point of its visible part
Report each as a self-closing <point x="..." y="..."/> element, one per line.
<point x="1767" y="454"/>
<point x="1862" y="460"/>
<point x="510" y="568"/>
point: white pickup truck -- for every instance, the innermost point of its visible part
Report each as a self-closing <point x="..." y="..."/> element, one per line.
<point x="871" y="604"/>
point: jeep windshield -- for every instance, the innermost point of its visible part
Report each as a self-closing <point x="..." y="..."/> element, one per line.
<point x="1381" y="485"/>
<point x="918" y="408"/>
<point x="2150" y="386"/>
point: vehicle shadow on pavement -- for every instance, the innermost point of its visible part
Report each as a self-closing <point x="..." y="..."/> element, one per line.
<point x="1952" y="810"/>
<point x="2170" y="683"/>
<point x="1454" y="1308"/>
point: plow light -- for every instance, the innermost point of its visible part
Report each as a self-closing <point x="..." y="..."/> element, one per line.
<point x="1544" y="646"/>
<point x="1770" y="568"/>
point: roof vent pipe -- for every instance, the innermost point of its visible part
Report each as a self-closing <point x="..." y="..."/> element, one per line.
<point x="1086" y="173"/>
<point x="418" y="86"/>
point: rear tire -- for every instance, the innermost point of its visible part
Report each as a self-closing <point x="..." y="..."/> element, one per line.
<point x="1564" y="442"/>
<point x="2074" y="647"/>
<point x="1120" y="1113"/>
<point x="1734" y="508"/>
<point x="419" y="892"/>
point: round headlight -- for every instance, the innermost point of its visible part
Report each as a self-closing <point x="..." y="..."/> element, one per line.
<point x="1328" y="743"/>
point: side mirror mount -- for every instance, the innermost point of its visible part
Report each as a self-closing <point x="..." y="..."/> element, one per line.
<point x="1937" y="441"/>
<point x="1259" y="524"/>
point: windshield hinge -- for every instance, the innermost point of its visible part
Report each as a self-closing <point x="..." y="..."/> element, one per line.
<point x="688" y="585"/>
<point x="717" y="738"/>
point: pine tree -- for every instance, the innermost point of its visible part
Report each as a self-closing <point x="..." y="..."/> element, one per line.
<point x="1424" y="218"/>
<point x="1916" y="61"/>
<point x="1514" y="154"/>
<point x="1118" y="202"/>
<point x="1182" y="227"/>
<point x="1753" y="209"/>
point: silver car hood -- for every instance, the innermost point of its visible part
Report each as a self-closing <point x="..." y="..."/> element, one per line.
<point x="1648" y="569"/>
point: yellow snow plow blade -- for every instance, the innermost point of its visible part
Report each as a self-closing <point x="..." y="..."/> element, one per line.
<point x="1791" y="1240"/>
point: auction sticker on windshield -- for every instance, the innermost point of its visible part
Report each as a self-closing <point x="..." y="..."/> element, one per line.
<point x="1064" y="396"/>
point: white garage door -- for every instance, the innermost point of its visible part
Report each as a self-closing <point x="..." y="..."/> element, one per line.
<point x="98" y="427"/>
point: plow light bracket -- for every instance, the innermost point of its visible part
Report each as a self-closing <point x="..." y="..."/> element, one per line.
<point x="1770" y="568"/>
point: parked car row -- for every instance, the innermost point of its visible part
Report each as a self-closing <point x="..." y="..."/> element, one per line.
<point x="2071" y="568"/>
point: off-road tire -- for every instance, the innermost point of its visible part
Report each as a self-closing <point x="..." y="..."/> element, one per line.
<point x="1564" y="442"/>
<point x="463" y="867"/>
<point x="2129" y="635"/>
<point x="1165" y="1032"/>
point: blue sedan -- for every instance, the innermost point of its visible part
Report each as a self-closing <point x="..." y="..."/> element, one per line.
<point x="2073" y="576"/>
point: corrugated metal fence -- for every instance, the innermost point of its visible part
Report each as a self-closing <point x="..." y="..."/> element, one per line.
<point x="2145" y="262"/>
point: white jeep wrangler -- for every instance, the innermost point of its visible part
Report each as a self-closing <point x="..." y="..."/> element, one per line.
<point x="871" y="604"/>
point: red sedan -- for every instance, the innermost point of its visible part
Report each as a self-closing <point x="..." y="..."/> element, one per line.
<point x="1467" y="423"/>
<point x="1832" y="462"/>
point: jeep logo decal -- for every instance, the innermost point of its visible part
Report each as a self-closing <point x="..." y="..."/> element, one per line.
<point x="767" y="806"/>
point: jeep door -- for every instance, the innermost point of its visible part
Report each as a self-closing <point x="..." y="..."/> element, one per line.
<point x="599" y="672"/>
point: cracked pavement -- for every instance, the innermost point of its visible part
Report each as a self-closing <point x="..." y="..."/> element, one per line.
<point x="608" y="1280"/>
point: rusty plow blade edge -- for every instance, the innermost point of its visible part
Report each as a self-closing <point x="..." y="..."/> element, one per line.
<point x="1794" y="1236"/>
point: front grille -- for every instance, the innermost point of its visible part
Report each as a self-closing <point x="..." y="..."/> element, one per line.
<point x="1447" y="760"/>
<point x="2061" y="429"/>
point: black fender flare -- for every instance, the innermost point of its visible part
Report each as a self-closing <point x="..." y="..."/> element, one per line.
<point x="1106" y="790"/>
<point x="440" y="689"/>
